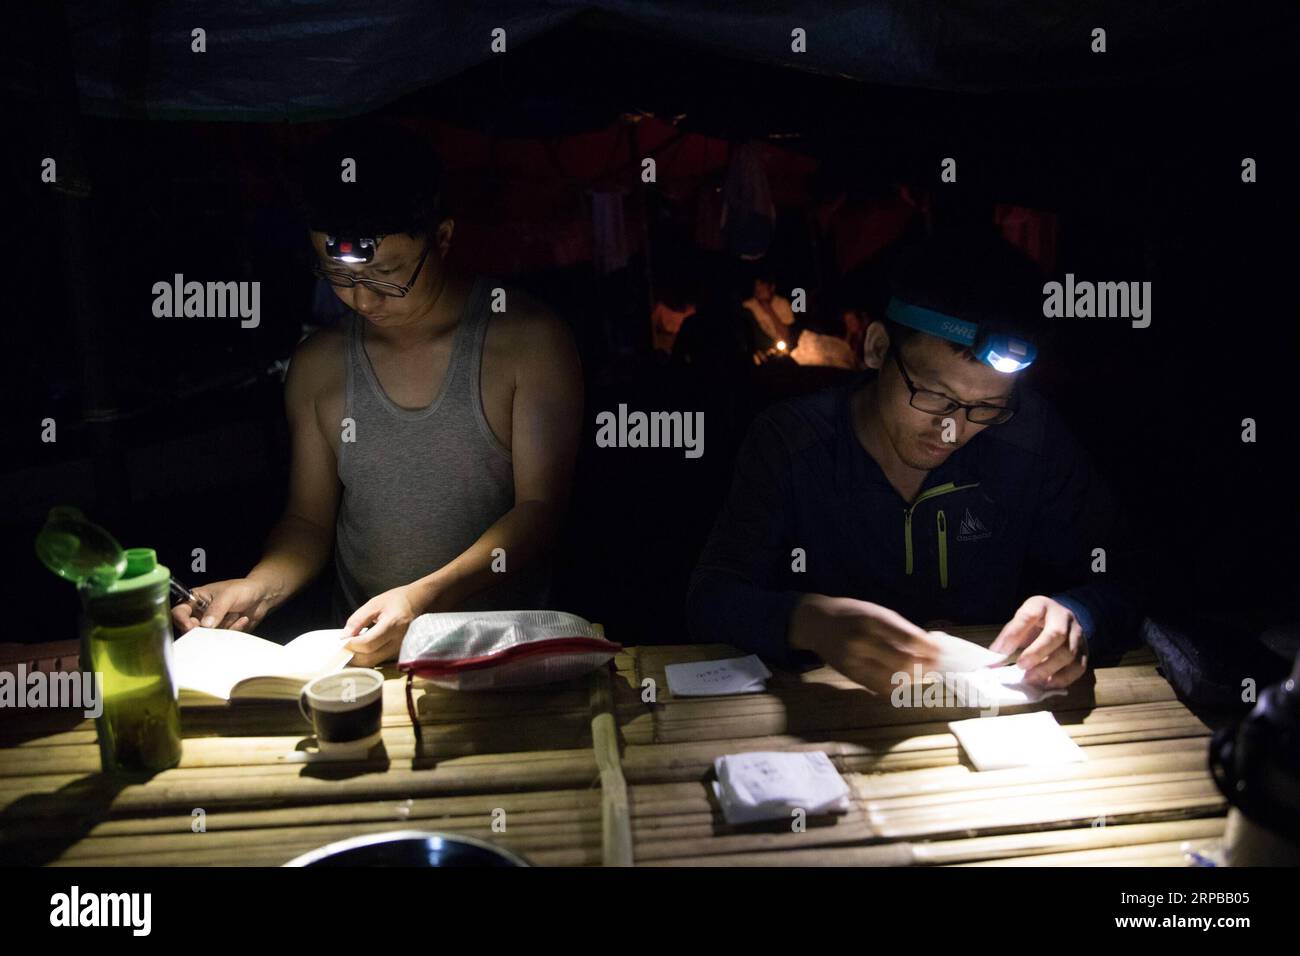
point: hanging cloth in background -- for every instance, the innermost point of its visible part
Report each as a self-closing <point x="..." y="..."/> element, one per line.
<point x="748" y="213"/>
<point x="1033" y="231"/>
<point x="608" y="232"/>
<point x="861" y="229"/>
<point x="708" y="218"/>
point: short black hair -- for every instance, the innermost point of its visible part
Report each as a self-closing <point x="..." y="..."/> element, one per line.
<point x="972" y="274"/>
<point x="398" y="187"/>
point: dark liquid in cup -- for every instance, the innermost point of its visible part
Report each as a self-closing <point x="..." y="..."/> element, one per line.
<point x="336" y="715"/>
<point x="340" y="727"/>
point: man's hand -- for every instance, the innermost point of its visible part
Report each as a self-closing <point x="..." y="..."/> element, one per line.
<point x="865" y="642"/>
<point x="387" y="615"/>
<point x="1056" y="654"/>
<point x="238" y="604"/>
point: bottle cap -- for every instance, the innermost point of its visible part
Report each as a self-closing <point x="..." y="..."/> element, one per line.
<point x="84" y="553"/>
<point x="142" y="571"/>
<point x="79" y="551"/>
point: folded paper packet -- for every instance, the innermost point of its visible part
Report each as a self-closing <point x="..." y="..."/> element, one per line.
<point x="737" y="675"/>
<point x="996" y="687"/>
<point x="483" y="650"/>
<point x="1020" y="740"/>
<point x="957" y="655"/>
<point x="772" y="785"/>
<point x="969" y="671"/>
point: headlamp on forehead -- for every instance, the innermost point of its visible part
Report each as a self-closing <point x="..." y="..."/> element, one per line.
<point x="350" y="248"/>
<point x="995" y="347"/>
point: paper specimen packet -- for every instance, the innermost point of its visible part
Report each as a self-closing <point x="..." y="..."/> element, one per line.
<point x="737" y="675"/>
<point x="1020" y="740"/>
<point x="771" y="785"/>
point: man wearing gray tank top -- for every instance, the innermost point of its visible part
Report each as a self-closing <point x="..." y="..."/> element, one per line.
<point x="433" y="435"/>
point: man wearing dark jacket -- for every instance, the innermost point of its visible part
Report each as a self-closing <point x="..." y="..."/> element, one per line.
<point x="936" y="487"/>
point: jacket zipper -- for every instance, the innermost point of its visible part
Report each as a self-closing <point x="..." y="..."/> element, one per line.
<point x="907" y="520"/>
<point x="942" y="523"/>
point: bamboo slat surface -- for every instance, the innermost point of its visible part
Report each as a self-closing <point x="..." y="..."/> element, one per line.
<point x="614" y="771"/>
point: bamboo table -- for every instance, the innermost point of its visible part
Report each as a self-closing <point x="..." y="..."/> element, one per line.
<point x="595" y="772"/>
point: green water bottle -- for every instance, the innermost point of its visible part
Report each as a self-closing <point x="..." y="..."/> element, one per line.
<point x="126" y="639"/>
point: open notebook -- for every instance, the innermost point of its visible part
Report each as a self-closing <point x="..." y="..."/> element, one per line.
<point x="212" y="665"/>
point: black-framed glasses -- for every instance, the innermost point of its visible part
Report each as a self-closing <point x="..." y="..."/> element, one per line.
<point x="936" y="403"/>
<point x="346" y="280"/>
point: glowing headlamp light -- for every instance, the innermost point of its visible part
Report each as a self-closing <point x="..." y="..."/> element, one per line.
<point x="997" y="349"/>
<point x="350" y="248"/>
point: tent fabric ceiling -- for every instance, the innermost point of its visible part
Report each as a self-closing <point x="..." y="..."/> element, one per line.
<point x="275" y="60"/>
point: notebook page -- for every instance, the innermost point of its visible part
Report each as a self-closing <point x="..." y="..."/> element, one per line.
<point x="312" y="654"/>
<point x="213" y="660"/>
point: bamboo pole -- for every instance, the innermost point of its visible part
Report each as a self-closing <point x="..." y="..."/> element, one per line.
<point x="292" y="752"/>
<point x="700" y="833"/>
<point x="1021" y="845"/>
<point x="1110" y="761"/>
<point x="1144" y="855"/>
<point x="1146" y="803"/>
<point x="279" y="855"/>
<point x="959" y="801"/>
<point x="616" y="830"/>
<point x="702" y="841"/>
<point x="522" y="812"/>
<point x="181" y="790"/>
<point x="573" y="834"/>
<point x="889" y="854"/>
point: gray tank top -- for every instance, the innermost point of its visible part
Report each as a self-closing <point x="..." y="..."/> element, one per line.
<point x="421" y="485"/>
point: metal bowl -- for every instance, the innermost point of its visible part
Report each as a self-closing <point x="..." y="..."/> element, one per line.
<point x="409" y="848"/>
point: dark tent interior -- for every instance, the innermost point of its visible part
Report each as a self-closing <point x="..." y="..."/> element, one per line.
<point x="1121" y="165"/>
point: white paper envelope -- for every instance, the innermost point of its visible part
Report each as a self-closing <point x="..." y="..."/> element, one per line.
<point x="1020" y="740"/>
<point x="736" y="675"/>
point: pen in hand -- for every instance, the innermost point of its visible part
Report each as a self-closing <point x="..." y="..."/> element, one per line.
<point x="184" y="595"/>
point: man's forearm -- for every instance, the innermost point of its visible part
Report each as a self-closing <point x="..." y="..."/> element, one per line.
<point x="523" y="533"/>
<point x="808" y="622"/>
<point x="296" y="551"/>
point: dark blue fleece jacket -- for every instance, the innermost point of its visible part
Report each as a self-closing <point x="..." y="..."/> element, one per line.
<point x="1017" y="511"/>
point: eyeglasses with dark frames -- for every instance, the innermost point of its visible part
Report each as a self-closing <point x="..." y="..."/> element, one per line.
<point x="936" y="403"/>
<point x="346" y="280"/>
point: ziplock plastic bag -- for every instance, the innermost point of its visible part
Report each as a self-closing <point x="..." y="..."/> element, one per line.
<point x="481" y="650"/>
